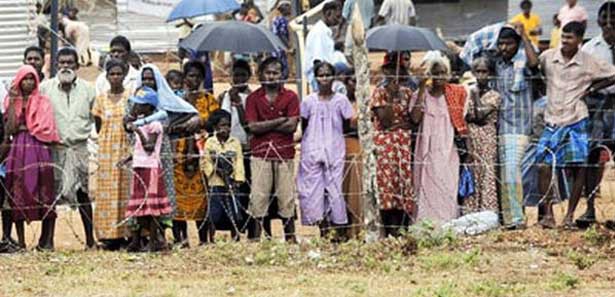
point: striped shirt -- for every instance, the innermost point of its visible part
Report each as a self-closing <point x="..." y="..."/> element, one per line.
<point x="516" y="107"/>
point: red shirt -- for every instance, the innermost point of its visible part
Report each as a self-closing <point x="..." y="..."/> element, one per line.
<point x="272" y="145"/>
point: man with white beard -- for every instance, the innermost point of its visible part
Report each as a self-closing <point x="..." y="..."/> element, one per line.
<point x="72" y="99"/>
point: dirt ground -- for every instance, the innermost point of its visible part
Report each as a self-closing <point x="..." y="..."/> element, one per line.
<point x="532" y="262"/>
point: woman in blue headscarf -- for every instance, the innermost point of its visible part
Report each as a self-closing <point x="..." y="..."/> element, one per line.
<point x="175" y="113"/>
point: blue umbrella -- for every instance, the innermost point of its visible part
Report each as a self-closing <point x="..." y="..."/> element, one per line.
<point x="192" y="8"/>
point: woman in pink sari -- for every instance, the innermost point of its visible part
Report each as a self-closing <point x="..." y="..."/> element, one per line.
<point x="30" y="126"/>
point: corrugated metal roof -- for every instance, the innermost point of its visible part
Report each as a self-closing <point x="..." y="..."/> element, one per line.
<point x="15" y="16"/>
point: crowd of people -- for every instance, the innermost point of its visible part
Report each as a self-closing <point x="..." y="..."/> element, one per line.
<point x="527" y="130"/>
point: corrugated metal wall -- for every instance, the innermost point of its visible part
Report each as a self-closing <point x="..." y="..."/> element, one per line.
<point x="15" y="35"/>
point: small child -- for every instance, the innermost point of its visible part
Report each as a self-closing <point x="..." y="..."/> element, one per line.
<point x="175" y="78"/>
<point x="222" y="164"/>
<point x="148" y="197"/>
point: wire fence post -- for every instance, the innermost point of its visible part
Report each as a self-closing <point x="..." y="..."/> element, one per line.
<point x="54" y="37"/>
<point x="370" y="189"/>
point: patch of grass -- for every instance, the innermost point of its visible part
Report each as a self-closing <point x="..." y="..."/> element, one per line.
<point x="564" y="281"/>
<point x="489" y="288"/>
<point x="581" y="261"/>
<point x="472" y="257"/>
<point x="594" y="237"/>
<point x="440" y="261"/>
<point x="444" y="289"/>
<point x="448" y="289"/>
<point x="429" y="236"/>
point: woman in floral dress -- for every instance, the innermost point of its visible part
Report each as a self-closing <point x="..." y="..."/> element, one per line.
<point x="392" y="141"/>
<point x="482" y="118"/>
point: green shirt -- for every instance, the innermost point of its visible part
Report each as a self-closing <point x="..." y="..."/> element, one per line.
<point x="72" y="110"/>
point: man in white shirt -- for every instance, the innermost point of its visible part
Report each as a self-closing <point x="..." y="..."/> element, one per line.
<point x="602" y="123"/>
<point x="397" y="12"/>
<point x="119" y="49"/>
<point x="319" y="43"/>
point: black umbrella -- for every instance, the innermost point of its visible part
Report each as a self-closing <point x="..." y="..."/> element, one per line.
<point x="233" y="36"/>
<point x="403" y="38"/>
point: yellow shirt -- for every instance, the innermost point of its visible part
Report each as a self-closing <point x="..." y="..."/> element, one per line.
<point x="556" y="34"/>
<point x="214" y="147"/>
<point x="529" y="24"/>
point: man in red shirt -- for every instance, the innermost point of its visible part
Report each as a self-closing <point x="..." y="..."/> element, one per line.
<point x="272" y="114"/>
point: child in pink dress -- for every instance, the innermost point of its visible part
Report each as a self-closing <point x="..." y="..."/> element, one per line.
<point x="148" y="198"/>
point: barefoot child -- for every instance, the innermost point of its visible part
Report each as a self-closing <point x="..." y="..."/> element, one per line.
<point x="148" y="197"/>
<point x="222" y="164"/>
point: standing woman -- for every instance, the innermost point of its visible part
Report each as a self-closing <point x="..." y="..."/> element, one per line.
<point x="30" y="128"/>
<point x="181" y="115"/>
<point x="189" y="183"/>
<point x="319" y="181"/>
<point x="113" y="183"/>
<point x="392" y="140"/>
<point x="482" y="118"/>
<point x="438" y="109"/>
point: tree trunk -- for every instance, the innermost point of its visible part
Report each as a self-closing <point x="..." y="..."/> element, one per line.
<point x="362" y="94"/>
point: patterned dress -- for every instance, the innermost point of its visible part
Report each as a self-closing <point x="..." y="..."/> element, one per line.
<point x="393" y="153"/>
<point x="485" y="152"/>
<point x="112" y="192"/>
<point x="190" y="187"/>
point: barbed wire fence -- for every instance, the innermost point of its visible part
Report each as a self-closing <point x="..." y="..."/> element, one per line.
<point x="607" y="196"/>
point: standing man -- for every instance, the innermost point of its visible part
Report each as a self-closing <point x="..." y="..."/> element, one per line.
<point x="72" y="99"/>
<point x="319" y="43"/>
<point x="397" y="12"/>
<point x="572" y="12"/>
<point x="35" y="57"/>
<point x="571" y="75"/>
<point x="366" y="8"/>
<point x="531" y="22"/>
<point x="119" y="48"/>
<point x="515" y="117"/>
<point x="600" y="105"/>
<point x="272" y="114"/>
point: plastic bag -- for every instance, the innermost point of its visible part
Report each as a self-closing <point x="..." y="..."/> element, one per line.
<point x="466" y="182"/>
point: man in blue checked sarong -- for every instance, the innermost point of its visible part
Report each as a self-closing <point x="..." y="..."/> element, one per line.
<point x="571" y="75"/>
